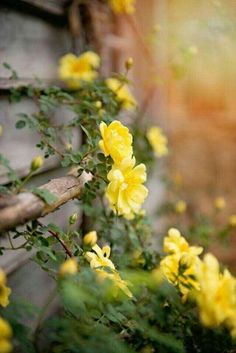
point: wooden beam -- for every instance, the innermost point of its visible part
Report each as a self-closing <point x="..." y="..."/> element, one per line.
<point x="18" y="209"/>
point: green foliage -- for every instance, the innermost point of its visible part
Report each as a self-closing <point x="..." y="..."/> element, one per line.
<point x="94" y="314"/>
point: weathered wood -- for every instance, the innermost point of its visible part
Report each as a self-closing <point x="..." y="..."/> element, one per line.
<point x="18" y="209"/>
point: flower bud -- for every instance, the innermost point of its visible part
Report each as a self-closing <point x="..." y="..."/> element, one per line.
<point x="68" y="147"/>
<point x="36" y="163"/>
<point x="98" y="104"/>
<point x="180" y="207"/>
<point x="69" y="267"/>
<point x="1" y="130"/>
<point x="232" y="220"/>
<point x="220" y="203"/>
<point x="129" y="63"/>
<point x="73" y="218"/>
<point x="90" y="238"/>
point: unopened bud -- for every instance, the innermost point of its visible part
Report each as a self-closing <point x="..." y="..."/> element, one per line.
<point x="220" y="203"/>
<point x="98" y="104"/>
<point x="36" y="163"/>
<point x="73" y="218"/>
<point x="69" y="267"/>
<point x="68" y="147"/>
<point x="90" y="238"/>
<point x="180" y="207"/>
<point x="129" y="63"/>
<point x="232" y="220"/>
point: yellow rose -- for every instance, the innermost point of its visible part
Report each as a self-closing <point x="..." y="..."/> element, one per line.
<point x="122" y="6"/>
<point x="69" y="267"/>
<point x="180" y="266"/>
<point x="4" y="290"/>
<point x="122" y="93"/>
<point x="217" y="298"/>
<point x="75" y="69"/>
<point x="158" y="141"/>
<point x="125" y="191"/>
<point x="99" y="259"/>
<point x="116" y="141"/>
<point x="90" y="238"/>
<point x="5" y="336"/>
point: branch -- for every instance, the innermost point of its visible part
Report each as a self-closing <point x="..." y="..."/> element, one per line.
<point x="18" y="209"/>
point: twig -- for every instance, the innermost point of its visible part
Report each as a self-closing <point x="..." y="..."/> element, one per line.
<point x="55" y="235"/>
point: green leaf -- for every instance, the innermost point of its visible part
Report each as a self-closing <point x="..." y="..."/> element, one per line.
<point x="20" y="124"/>
<point x="45" y="195"/>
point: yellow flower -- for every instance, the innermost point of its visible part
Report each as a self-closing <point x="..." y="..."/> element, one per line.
<point x="122" y="93"/>
<point x="217" y="298"/>
<point x="180" y="207"/>
<point x="98" y="260"/>
<point x="5" y="336"/>
<point x="90" y="238"/>
<point x="116" y="141"/>
<point x="176" y="243"/>
<point x="75" y="69"/>
<point x="219" y="203"/>
<point x="232" y="220"/>
<point x="100" y="257"/>
<point x="158" y="141"/>
<point x="122" y="6"/>
<point x="36" y="163"/>
<point x="69" y="267"/>
<point x="180" y="266"/>
<point x="125" y="191"/>
<point x="4" y="290"/>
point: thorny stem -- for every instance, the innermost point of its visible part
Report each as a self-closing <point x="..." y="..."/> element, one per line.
<point x="55" y="235"/>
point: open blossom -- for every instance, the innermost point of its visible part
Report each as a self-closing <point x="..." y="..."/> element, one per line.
<point x="217" y="298"/>
<point x="126" y="192"/>
<point x="100" y="257"/>
<point x="75" y="69"/>
<point x="122" y="92"/>
<point x="116" y="141"/>
<point x="122" y="6"/>
<point x="158" y="141"/>
<point x="180" y="265"/>
<point x="5" y="336"/>
<point x="99" y="261"/>
<point x="4" y="290"/>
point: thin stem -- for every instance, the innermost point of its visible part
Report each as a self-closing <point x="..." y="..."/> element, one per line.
<point x="55" y="235"/>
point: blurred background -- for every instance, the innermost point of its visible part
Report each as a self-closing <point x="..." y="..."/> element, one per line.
<point x="184" y="77"/>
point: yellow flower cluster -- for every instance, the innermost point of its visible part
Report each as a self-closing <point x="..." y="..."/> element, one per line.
<point x="76" y="69"/>
<point x="181" y="263"/>
<point x="122" y="6"/>
<point x="5" y="336"/>
<point x="217" y="297"/>
<point x="125" y="192"/>
<point x="122" y="92"/>
<point x="4" y="290"/>
<point x="99" y="261"/>
<point x="158" y="141"/>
